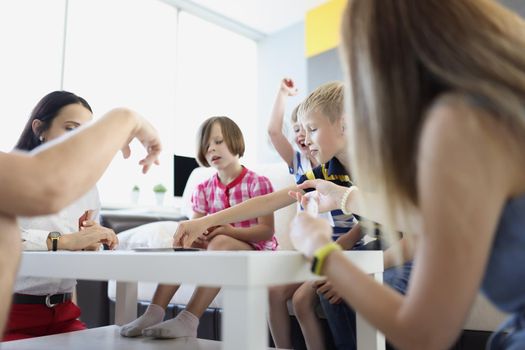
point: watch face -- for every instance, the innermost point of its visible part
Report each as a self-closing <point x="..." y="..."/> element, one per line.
<point x="54" y="234"/>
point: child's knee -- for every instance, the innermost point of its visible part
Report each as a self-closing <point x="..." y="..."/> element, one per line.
<point x="220" y="242"/>
<point x="302" y="302"/>
<point x="278" y="294"/>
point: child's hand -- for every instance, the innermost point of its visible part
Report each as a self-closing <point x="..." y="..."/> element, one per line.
<point x="326" y="289"/>
<point x="309" y="234"/>
<point x="288" y="87"/>
<point x="188" y="231"/>
<point x="217" y="230"/>
<point x="329" y="195"/>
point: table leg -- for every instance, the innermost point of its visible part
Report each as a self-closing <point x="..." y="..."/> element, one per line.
<point x="126" y="303"/>
<point x="245" y="311"/>
<point x="368" y="337"/>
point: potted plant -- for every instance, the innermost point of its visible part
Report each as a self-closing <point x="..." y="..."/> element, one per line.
<point x="160" y="191"/>
<point x="135" y="192"/>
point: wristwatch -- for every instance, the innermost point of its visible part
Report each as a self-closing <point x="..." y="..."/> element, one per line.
<point x="54" y="236"/>
<point x="320" y="256"/>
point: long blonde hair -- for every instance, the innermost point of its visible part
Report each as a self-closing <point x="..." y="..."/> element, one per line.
<point x="400" y="55"/>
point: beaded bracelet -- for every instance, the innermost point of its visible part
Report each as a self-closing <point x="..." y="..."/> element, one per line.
<point x="344" y="199"/>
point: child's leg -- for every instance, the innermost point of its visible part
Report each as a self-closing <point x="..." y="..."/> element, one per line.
<point x="154" y="314"/>
<point x="304" y="302"/>
<point x="341" y="320"/>
<point x="187" y="322"/>
<point x="279" y="318"/>
<point x="163" y="294"/>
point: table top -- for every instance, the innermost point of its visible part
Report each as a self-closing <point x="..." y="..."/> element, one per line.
<point x="206" y="268"/>
<point x="107" y="338"/>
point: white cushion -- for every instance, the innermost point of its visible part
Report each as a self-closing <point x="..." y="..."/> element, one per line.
<point x="154" y="235"/>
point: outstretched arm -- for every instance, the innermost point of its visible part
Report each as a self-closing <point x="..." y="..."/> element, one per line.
<point x="263" y="231"/>
<point x="275" y="127"/>
<point x="189" y="231"/>
<point x="59" y="172"/>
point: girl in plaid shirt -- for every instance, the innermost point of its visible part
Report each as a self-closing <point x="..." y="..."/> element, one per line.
<point x="220" y="145"/>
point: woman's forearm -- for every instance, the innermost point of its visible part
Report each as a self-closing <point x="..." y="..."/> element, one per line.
<point x="379" y="305"/>
<point x="61" y="171"/>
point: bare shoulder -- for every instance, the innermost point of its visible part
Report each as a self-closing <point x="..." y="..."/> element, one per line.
<point x="455" y="114"/>
<point x="463" y="132"/>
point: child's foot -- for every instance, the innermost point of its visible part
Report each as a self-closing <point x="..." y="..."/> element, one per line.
<point x="154" y="314"/>
<point x="184" y="325"/>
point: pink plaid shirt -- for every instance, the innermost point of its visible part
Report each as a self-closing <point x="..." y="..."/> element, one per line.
<point x="212" y="196"/>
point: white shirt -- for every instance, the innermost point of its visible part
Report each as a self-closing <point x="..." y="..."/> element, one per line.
<point x="34" y="232"/>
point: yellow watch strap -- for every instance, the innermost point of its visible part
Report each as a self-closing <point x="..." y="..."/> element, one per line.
<point x="321" y="254"/>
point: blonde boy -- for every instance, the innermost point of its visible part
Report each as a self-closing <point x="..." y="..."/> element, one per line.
<point x="322" y="117"/>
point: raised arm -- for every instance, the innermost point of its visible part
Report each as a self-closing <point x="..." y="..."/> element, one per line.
<point x="59" y="172"/>
<point x="275" y="127"/>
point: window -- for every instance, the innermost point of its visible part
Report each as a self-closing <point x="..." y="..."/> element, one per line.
<point x="31" y="46"/>
<point x="172" y="67"/>
<point x="122" y="53"/>
<point x="217" y="75"/>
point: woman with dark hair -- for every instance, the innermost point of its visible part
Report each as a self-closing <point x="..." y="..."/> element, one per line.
<point x="43" y="115"/>
<point x="437" y="125"/>
<point x="53" y="175"/>
<point x="43" y="306"/>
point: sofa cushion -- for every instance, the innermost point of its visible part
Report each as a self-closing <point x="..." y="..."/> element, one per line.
<point x="153" y="235"/>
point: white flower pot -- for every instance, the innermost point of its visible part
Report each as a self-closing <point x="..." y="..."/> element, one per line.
<point x="135" y="197"/>
<point x="159" y="198"/>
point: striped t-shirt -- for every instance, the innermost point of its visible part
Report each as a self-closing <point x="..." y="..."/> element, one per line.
<point x="333" y="171"/>
<point x="300" y="165"/>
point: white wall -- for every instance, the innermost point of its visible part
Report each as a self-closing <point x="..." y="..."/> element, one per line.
<point x="279" y="55"/>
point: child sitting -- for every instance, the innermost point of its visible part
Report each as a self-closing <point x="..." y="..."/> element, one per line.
<point x="221" y="144"/>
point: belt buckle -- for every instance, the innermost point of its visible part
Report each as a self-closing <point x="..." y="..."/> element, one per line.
<point x="48" y="301"/>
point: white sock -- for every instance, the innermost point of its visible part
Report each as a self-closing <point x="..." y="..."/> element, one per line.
<point x="184" y="325"/>
<point x="154" y="314"/>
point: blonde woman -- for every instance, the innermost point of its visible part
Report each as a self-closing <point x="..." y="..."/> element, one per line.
<point x="437" y="121"/>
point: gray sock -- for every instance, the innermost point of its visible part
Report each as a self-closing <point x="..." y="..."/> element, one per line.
<point x="154" y="314"/>
<point x="184" y="325"/>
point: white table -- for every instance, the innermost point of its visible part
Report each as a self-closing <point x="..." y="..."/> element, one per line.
<point x="243" y="276"/>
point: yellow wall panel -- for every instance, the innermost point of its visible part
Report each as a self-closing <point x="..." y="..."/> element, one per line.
<point x="322" y="26"/>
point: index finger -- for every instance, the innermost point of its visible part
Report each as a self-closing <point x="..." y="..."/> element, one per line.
<point x="89" y="223"/>
<point x="126" y="151"/>
<point x="89" y="214"/>
<point x="186" y="241"/>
